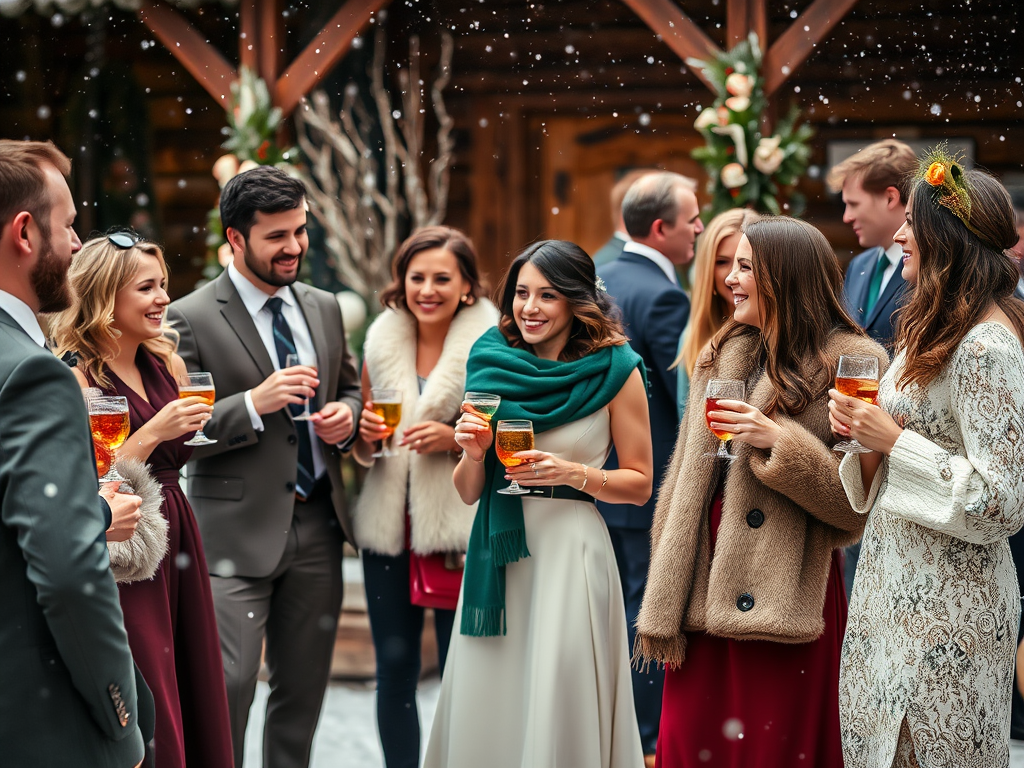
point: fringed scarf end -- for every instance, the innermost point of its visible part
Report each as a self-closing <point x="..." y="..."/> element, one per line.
<point x="663" y="651"/>
<point x="508" y="546"/>
<point x="482" y="622"/>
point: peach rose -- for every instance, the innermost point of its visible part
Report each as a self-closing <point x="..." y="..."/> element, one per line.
<point x="739" y="85"/>
<point x="738" y="103"/>
<point x="936" y="174"/>
<point x="225" y="168"/>
<point x="705" y="119"/>
<point x="768" y="155"/>
<point x="733" y="176"/>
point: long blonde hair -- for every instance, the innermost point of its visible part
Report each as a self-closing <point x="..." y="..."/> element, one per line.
<point x="86" y="328"/>
<point x="708" y="310"/>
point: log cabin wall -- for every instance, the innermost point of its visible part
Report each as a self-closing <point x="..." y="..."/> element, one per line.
<point x="551" y="99"/>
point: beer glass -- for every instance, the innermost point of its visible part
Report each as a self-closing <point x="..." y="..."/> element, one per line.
<point x="110" y="425"/>
<point x="198" y="385"/>
<point x="512" y="436"/>
<point x="387" y="403"/>
<point x="857" y="377"/>
<point x="483" y="404"/>
<point x="722" y="389"/>
<point x="308" y="362"/>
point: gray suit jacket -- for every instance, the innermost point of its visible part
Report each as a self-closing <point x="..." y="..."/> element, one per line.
<point x="243" y="488"/>
<point x="67" y="683"/>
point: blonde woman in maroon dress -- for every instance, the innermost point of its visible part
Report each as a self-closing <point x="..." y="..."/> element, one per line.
<point x="114" y="332"/>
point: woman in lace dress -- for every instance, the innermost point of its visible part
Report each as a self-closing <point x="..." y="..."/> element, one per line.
<point x="927" y="662"/>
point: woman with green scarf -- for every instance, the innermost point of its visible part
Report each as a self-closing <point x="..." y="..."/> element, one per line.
<point x="538" y="674"/>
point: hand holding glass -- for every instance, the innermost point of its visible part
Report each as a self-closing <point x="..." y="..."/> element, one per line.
<point x="291" y="361"/>
<point x="110" y="425"/>
<point x="387" y="403"/>
<point x="857" y="377"/>
<point x="198" y="385"/>
<point x="483" y="404"/>
<point x="511" y="437"/>
<point x="722" y="389"/>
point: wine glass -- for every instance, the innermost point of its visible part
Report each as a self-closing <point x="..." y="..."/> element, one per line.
<point x="483" y="404"/>
<point x="198" y="385"/>
<point x="722" y="389"/>
<point x="512" y="436"/>
<point x="857" y="377"/>
<point x="387" y="403"/>
<point x="110" y="425"/>
<point x="308" y="362"/>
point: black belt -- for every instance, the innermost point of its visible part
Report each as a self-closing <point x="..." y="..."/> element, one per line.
<point x="557" y="492"/>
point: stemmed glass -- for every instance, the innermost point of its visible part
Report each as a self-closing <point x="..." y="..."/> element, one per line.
<point x="722" y="389"/>
<point x="387" y="403"/>
<point x="483" y="404"/>
<point x="512" y="436"/>
<point x="198" y="385"/>
<point x="857" y="377"/>
<point x="293" y="360"/>
<point x="110" y="425"/>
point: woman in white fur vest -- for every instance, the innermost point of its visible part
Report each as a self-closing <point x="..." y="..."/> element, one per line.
<point x="418" y="345"/>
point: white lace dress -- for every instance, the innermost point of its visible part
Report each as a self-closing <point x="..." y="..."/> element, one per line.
<point x="929" y="648"/>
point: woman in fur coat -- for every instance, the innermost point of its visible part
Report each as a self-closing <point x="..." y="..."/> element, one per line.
<point x="418" y="345"/>
<point x="744" y="600"/>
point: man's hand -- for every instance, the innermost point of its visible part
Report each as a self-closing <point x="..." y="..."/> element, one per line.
<point x="333" y="423"/>
<point x="124" y="512"/>
<point x="284" y="387"/>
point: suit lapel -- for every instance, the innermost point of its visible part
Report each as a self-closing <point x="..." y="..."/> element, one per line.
<point x="307" y="305"/>
<point x="865" y="286"/>
<point x="238" y="317"/>
<point x="896" y="283"/>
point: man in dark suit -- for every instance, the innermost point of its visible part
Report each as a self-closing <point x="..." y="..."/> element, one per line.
<point x="68" y="688"/>
<point x="661" y="215"/>
<point x="268" y="496"/>
<point x="875" y="184"/>
<point x="611" y="250"/>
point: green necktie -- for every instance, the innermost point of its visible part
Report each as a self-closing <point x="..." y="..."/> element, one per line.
<point x="876" y="282"/>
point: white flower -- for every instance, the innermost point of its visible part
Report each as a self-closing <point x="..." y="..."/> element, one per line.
<point x="739" y="140"/>
<point x="225" y="168"/>
<point x="706" y="119"/>
<point x="248" y="165"/>
<point x="768" y="155"/>
<point x="737" y="103"/>
<point x="739" y="85"/>
<point x="733" y="176"/>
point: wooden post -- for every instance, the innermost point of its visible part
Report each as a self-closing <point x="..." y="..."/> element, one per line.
<point x="677" y="29"/>
<point x="795" y="44"/>
<point x="271" y="40"/>
<point x="744" y="17"/>
<point x="248" y="37"/>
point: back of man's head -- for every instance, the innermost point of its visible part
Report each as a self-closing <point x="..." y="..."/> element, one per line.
<point x="884" y="164"/>
<point x="619" y="190"/>
<point x="23" y="180"/>
<point x="654" y="196"/>
<point x="262" y="190"/>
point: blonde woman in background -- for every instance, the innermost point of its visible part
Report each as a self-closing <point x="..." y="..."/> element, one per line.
<point x="711" y="303"/>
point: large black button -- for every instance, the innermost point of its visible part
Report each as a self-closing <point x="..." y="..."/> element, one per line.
<point x="292" y="439"/>
<point x="755" y="518"/>
<point x="289" y="486"/>
<point x="745" y="602"/>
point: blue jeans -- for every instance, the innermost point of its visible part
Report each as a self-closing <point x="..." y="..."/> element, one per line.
<point x="397" y="627"/>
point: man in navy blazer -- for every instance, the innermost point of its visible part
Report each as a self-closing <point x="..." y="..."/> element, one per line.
<point x="611" y="250"/>
<point x="875" y="184"/>
<point x="661" y="215"/>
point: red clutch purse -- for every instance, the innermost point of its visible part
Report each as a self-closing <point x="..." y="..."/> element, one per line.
<point x="435" y="580"/>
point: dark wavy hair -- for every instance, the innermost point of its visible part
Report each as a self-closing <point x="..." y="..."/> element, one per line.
<point x="596" y="320"/>
<point x="960" y="274"/>
<point x="426" y="239"/>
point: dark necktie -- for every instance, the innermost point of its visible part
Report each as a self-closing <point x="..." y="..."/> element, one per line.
<point x="875" y="286"/>
<point x="284" y="342"/>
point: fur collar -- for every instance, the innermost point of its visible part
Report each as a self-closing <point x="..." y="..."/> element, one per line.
<point x="138" y="558"/>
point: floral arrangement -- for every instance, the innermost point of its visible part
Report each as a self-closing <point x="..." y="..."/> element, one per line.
<point x="945" y="174"/>
<point x="744" y="166"/>
<point x="251" y="133"/>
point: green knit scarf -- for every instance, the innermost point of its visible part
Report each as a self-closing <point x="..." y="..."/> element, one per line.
<point x="549" y="393"/>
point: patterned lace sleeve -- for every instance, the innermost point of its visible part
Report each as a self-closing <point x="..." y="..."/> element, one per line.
<point x="980" y="498"/>
<point x="853" y="483"/>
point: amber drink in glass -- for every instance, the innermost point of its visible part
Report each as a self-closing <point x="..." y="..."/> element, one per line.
<point x="857" y="377"/>
<point x="387" y="403"/>
<point x="512" y="436"/>
<point x="110" y="425"/>
<point x="721" y="389"/>
<point x="199" y="385"/>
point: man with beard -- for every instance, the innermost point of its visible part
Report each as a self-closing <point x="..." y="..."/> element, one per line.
<point x="68" y="689"/>
<point x="268" y="495"/>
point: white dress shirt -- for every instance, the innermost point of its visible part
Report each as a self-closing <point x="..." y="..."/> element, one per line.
<point x="894" y="253"/>
<point x="654" y="255"/>
<point x="23" y="315"/>
<point x="255" y="301"/>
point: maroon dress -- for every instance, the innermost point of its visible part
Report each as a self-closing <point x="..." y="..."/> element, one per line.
<point x="171" y="625"/>
<point x="755" y="703"/>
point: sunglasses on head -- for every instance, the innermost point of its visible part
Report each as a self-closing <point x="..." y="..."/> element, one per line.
<point x="125" y="239"/>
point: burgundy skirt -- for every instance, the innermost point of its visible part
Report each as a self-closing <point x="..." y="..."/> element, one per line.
<point x="755" y="703"/>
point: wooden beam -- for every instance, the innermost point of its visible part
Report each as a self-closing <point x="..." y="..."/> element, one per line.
<point x="325" y="50"/>
<point x="204" y="62"/>
<point x="248" y="34"/>
<point x="795" y="44"/>
<point x="271" y="39"/>
<point x="677" y="29"/>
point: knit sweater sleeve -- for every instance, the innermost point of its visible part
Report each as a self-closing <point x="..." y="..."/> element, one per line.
<point x="978" y="497"/>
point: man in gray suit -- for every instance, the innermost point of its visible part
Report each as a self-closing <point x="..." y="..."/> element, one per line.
<point x="268" y="495"/>
<point x="68" y="689"/>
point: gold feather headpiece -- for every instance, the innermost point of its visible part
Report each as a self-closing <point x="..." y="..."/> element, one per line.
<point x="944" y="173"/>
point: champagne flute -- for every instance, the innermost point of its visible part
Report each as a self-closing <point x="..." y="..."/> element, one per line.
<point x="110" y="425"/>
<point x="483" y="404"/>
<point x="293" y="360"/>
<point x="722" y="389"/>
<point x="857" y="377"/>
<point x="198" y="385"/>
<point x="512" y="436"/>
<point x="387" y="403"/>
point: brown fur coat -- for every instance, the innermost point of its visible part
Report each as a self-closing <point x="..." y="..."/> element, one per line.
<point x="784" y="512"/>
